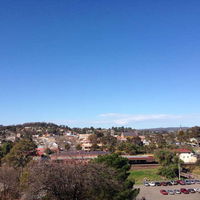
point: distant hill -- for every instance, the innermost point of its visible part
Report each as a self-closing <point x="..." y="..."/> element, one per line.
<point x="51" y="128"/>
<point x="161" y="130"/>
<point x="33" y="128"/>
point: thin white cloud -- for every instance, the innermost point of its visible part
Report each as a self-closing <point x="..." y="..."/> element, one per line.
<point x="109" y="115"/>
<point x="120" y="119"/>
<point x="123" y="119"/>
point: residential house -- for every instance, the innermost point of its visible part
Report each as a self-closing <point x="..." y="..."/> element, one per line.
<point x="144" y="140"/>
<point x="187" y="156"/>
<point x="85" y="142"/>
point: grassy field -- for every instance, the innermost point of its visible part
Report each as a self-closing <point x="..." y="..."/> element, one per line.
<point x="139" y="175"/>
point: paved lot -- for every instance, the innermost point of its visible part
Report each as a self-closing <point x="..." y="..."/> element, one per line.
<point x="153" y="193"/>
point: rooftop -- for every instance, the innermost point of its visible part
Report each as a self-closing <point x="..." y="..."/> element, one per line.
<point x="182" y="150"/>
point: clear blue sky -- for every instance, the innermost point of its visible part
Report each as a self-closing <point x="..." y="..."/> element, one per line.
<point x="100" y="63"/>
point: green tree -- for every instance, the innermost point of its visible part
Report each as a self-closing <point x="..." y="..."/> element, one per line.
<point x="93" y="139"/>
<point x="194" y="132"/>
<point x="182" y="136"/>
<point x="95" y="147"/>
<point x="109" y="143"/>
<point x="122" y="166"/>
<point x="21" y="153"/>
<point x="67" y="146"/>
<point x="169" y="162"/>
<point x="78" y="147"/>
<point x="129" y="148"/>
<point x="160" y="141"/>
<point x="152" y="143"/>
<point x="48" y="151"/>
<point x="136" y="140"/>
<point x="5" y="149"/>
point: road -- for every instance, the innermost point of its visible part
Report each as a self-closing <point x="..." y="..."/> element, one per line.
<point x="153" y="193"/>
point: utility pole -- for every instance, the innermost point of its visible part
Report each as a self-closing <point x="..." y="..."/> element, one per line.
<point x="179" y="169"/>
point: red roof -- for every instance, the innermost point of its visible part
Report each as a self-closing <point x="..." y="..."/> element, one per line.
<point x="40" y="151"/>
<point x="182" y="150"/>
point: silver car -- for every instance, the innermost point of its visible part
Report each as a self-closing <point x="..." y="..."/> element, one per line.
<point x="177" y="191"/>
<point x="197" y="181"/>
<point x="171" y="192"/>
<point x="146" y="183"/>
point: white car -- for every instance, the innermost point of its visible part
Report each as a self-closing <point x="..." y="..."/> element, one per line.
<point x="177" y="191"/>
<point x="197" y="190"/>
<point x="152" y="183"/>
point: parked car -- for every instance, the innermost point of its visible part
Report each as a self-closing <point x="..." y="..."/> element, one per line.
<point x="169" y="183"/>
<point x="171" y="192"/>
<point x="197" y="190"/>
<point x="184" y="191"/>
<point x="146" y="183"/>
<point x="197" y="181"/>
<point x="157" y="183"/>
<point x="188" y="182"/>
<point x="152" y="183"/>
<point x="191" y="190"/>
<point x="181" y="182"/>
<point x="174" y="182"/>
<point x="163" y="183"/>
<point x="164" y="192"/>
<point x="177" y="191"/>
<point x="192" y="181"/>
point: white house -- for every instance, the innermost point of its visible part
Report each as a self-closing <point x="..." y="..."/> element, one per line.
<point x="187" y="156"/>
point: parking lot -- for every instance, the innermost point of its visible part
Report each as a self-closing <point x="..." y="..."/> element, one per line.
<point x="153" y="193"/>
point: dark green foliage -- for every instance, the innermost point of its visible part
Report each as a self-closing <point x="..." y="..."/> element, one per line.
<point x="122" y="129"/>
<point x="169" y="162"/>
<point x="194" y="132"/>
<point x="21" y="153"/>
<point x="166" y="157"/>
<point x="117" y="162"/>
<point x="170" y="171"/>
<point x="122" y="166"/>
<point x="95" y="147"/>
<point x="130" y="148"/>
<point x="67" y="146"/>
<point x="48" y="151"/>
<point x="78" y="147"/>
<point x="109" y="142"/>
<point x="5" y="148"/>
<point x="182" y="136"/>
